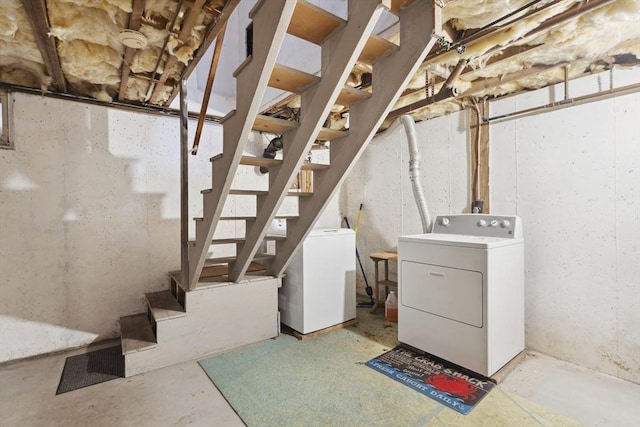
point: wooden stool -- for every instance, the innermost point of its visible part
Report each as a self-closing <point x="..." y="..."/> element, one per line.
<point x="377" y="257"/>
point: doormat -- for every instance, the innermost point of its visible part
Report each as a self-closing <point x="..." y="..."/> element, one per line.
<point x="442" y="381"/>
<point x="91" y="368"/>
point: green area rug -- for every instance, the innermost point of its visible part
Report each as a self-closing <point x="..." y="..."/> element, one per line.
<point x="323" y="381"/>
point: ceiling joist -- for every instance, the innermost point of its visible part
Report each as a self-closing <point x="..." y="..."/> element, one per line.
<point x="134" y="24"/>
<point x="214" y="32"/>
<point x="37" y="13"/>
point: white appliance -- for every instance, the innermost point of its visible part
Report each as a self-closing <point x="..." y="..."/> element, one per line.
<point x="319" y="287"/>
<point x="461" y="290"/>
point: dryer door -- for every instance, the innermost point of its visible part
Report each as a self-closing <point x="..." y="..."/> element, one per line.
<point x="450" y="293"/>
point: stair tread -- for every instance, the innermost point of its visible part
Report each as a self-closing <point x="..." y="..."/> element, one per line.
<point x="228" y="259"/>
<point x="398" y="5"/>
<point x="163" y="306"/>
<point x="350" y="95"/>
<point x="312" y="23"/>
<point x="267" y="163"/>
<point x="136" y="333"/>
<point x="296" y="81"/>
<point x="290" y="79"/>
<point x="376" y="47"/>
<point x="265" y="192"/>
<point x="242" y="239"/>
<point x="244" y="218"/>
<point x="327" y="134"/>
<point x="272" y="124"/>
<point x="279" y="126"/>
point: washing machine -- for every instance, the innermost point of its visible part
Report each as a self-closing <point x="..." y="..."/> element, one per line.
<point x="461" y="290"/>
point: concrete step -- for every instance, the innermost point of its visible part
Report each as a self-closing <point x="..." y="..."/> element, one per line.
<point x="163" y="306"/>
<point x="136" y="333"/>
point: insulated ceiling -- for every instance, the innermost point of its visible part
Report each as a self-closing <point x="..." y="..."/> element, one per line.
<point x="502" y="46"/>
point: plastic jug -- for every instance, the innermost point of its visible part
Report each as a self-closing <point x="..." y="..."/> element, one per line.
<point x="391" y="307"/>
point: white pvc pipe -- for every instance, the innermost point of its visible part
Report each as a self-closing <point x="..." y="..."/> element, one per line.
<point x="414" y="171"/>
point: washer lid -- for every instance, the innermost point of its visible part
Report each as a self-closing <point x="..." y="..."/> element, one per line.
<point x="480" y="242"/>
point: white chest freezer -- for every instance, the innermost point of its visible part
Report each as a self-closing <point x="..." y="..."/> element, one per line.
<point x="319" y="287"/>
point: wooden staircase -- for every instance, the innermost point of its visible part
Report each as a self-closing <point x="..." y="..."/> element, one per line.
<point x="343" y="44"/>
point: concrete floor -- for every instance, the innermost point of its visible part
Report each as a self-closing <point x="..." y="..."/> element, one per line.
<point x="183" y="395"/>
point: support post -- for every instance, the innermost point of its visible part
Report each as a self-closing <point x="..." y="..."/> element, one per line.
<point x="480" y="156"/>
<point x="184" y="184"/>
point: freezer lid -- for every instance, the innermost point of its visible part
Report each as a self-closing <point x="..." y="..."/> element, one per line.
<point x="460" y="240"/>
<point x="318" y="232"/>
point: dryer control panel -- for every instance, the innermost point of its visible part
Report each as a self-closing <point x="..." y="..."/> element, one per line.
<point x="486" y="225"/>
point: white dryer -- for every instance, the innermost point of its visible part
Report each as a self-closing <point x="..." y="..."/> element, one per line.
<point x="461" y="290"/>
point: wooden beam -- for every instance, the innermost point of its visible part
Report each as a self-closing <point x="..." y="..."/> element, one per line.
<point x="37" y="14"/>
<point x="129" y="53"/>
<point x="213" y="32"/>
<point x="207" y="90"/>
<point x="479" y="132"/>
<point x="185" y="33"/>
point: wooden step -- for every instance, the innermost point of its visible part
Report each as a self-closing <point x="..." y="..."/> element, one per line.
<point x="279" y="126"/>
<point x="163" y="306"/>
<point x="263" y="193"/>
<point x="136" y="333"/>
<point x="327" y="134"/>
<point x="315" y="24"/>
<point x="228" y="259"/>
<point x="267" y="163"/>
<point x="248" y="218"/>
<point x="375" y="48"/>
<point x="312" y="23"/>
<point x="296" y="81"/>
<point x="350" y="95"/>
<point x="242" y="239"/>
<point x="398" y="5"/>
<point x="272" y="124"/>
<point x="219" y="273"/>
<point x="290" y="79"/>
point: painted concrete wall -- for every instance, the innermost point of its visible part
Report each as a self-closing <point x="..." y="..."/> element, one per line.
<point x="573" y="176"/>
<point x="89" y="218"/>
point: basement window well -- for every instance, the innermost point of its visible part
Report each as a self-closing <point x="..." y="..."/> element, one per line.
<point x="6" y="140"/>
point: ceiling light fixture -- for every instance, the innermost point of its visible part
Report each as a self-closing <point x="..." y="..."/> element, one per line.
<point x="133" y="39"/>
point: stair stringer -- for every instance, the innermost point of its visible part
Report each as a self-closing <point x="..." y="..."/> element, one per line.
<point x="390" y="76"/>
<point x="219" y="318"/>
<point x="339" y="55"/>
<point x="270" y="21"/>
